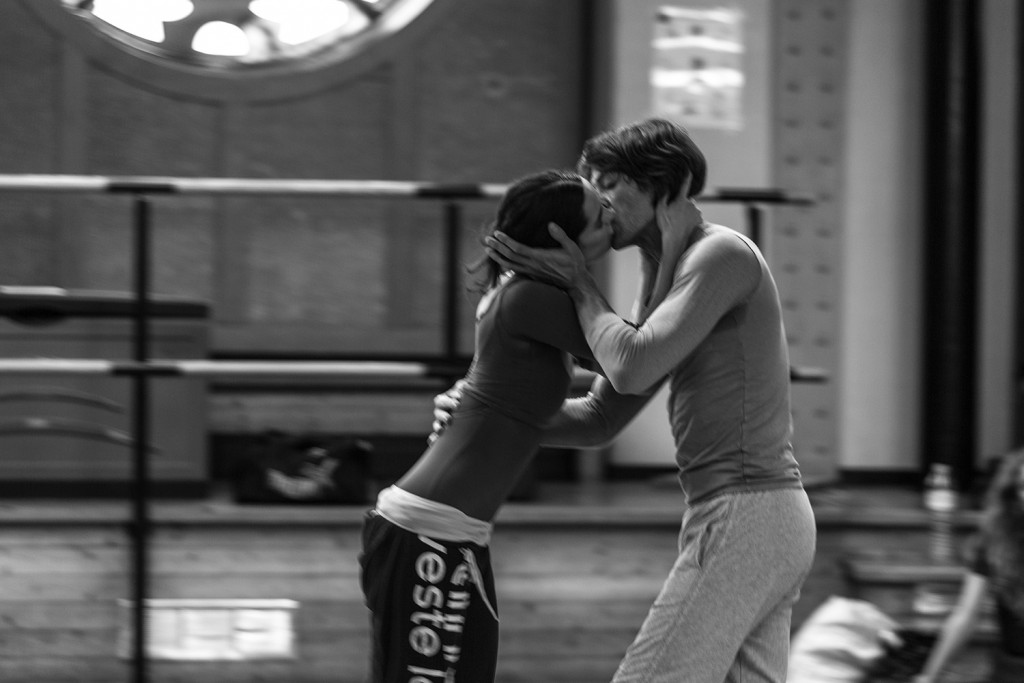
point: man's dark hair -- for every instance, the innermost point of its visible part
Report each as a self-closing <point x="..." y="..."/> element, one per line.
<point x="656" y="154"/>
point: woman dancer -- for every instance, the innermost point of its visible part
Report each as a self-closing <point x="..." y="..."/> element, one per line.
<point x="426" y="571"/>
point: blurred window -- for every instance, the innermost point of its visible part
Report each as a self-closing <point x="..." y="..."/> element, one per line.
<point x="244" y="33"/>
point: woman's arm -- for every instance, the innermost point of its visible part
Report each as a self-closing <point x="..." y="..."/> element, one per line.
<point x="595" y="419"/>
<point x="958" y="628"/>
<point x="585" y="422"/>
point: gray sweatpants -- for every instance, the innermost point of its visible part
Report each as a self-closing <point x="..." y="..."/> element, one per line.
<point x="724" y="611"/>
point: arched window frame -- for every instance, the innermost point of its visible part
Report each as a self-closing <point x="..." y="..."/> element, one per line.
<point x="405" y="21"/>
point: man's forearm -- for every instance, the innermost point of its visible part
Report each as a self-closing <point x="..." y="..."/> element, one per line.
<point x="608" y="335"/>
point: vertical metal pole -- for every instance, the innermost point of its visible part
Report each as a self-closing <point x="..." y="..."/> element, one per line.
<point x="140" y="419"/>
<point x="951" y="165"/>
<point x="453" y="228"/>
<point x="1018" y="407"/>
<point x="754" y="224"/>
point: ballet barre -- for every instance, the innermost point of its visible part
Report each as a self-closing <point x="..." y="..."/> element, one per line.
<point x="356" y="370"/>
<point x="314" y="186"/>
<point x="248" y="186"/>
<point x="214" y="368"/>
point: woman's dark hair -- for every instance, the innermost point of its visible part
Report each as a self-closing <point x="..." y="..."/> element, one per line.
<point x="529" y="204"/>
<point x="1003" y="531"/>
<point x="656" y="154"/>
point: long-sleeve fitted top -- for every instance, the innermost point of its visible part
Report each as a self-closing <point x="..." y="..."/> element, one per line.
<point x="718" y="336"/>
<point x="526" y="333"/>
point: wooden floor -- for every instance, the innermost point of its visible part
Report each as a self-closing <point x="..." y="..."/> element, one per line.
<point x="576" y="569"/>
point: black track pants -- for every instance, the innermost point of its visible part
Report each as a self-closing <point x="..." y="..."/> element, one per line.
<point x="433" y="606"/>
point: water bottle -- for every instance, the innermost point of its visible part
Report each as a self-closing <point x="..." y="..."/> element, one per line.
<point x="940" y="499"/>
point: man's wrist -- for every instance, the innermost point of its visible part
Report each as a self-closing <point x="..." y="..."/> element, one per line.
<point x="581" y="287"/>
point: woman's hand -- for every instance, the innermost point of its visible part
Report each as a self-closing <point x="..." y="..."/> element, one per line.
<point x="681" y="212"/>
<point x="444" y="405"/>
<point x="564" y="267"/>
<point x="676" y="222"/>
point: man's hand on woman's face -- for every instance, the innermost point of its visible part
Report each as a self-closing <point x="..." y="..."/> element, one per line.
<point x="564" y="267"/>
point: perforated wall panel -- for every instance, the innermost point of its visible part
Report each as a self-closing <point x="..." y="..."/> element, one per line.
<point x="805" y="242"/>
